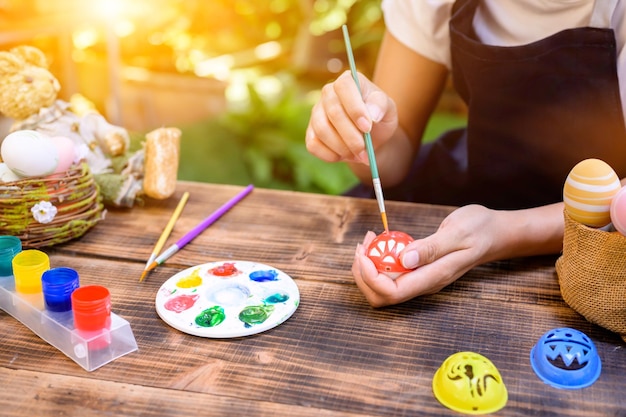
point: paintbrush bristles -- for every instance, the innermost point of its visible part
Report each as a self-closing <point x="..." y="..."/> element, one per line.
<point x="148" y="269"/>
<point x="385" y="224"/>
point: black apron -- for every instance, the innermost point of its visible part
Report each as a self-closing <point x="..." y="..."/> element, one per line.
<point x="535" y="111"/>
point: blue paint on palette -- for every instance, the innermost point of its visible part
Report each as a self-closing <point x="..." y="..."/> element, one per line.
<point x="276" y="298"/>
<point x="264" y="276"/>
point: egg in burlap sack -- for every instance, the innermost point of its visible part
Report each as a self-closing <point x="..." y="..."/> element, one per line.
<point x="592" y="274"/>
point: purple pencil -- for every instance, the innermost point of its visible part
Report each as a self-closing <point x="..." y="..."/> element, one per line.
<point x="189" y="236"/>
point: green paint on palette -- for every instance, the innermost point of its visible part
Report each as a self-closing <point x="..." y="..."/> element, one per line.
<point x="252" y="315"/>
<point x="210" y="317"/>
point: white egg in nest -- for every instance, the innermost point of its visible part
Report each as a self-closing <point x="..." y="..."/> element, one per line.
<point x="29" y="154"/>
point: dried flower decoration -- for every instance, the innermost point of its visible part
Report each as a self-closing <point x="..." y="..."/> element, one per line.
<point x="44" y="211"/>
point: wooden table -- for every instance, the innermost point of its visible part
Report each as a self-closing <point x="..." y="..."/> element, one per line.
<point x="336" y="356"/>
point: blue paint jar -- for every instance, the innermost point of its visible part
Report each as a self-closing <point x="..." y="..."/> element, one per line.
<point x="9" y="247"/>
<point x="57" y="285"/>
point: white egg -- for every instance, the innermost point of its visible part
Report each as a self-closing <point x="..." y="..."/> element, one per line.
<point x="29" y="154"/>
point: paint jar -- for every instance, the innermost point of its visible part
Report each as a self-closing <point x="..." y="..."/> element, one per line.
<point x="28" y="267"/>
<point x="91" y="306"/>
<point x="58" y="284"/>
<point x="9" y="247"/>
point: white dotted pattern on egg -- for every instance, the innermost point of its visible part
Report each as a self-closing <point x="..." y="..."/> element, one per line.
<point x="588" y="191"/>
<point x="387" y="246"/>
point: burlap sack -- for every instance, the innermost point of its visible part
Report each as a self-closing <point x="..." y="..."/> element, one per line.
<point x="592" y="274"/>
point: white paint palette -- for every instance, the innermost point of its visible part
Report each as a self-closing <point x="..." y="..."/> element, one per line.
<point x="227" y="299"/>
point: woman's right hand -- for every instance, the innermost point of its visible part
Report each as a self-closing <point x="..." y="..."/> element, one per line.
<point x="339" y="119"/>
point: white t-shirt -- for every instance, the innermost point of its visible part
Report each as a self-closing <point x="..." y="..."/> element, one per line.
<point x="422" y="25"/>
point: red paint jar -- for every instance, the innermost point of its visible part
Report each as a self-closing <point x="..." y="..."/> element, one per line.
<point x="91" y="306"/>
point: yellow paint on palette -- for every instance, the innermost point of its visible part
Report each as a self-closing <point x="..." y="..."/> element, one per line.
<point x="588" y="192"/>
<point x="190" y="281"/>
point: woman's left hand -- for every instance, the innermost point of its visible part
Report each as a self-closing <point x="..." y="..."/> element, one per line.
<point x="466" y="238"/>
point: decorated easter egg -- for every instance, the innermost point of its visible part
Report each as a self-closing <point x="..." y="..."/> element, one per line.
<point x="384" y="251"/>
<point x="588" y="191"/>
<point x="618" y="211"/>
<point x="65" y="149"/>
<point x="29" y="154"/>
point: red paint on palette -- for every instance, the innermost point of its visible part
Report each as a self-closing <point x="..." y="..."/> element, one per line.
<point x="224" y="270"/>
<point x="181" y="303"/>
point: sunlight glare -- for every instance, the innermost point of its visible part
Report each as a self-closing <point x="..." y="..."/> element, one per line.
<point x="237" y="90"/>
<point x="268" y="86"/>
<point x="156" y="38"/>
<point x="124" y="28"/>
<point x="218" y="67"/>
<point x="109" y="9"/>
<point x="268" y="50"/>
<point x="85" y="38"/>
<point x="334" y="65"/>
<point x="273" y="30"/>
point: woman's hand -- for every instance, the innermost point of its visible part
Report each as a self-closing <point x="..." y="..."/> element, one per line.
<point x="339" y="119"/>
<point x="469" y="236"/>
<point x="394" y="108"/>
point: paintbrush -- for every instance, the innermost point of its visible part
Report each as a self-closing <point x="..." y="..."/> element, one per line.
<point x="189" y="236"/>
<point x="168" y="229"/>
<point x="378" y="189"/>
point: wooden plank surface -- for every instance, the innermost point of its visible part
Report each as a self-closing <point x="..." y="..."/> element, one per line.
<point x="335" y="356"/>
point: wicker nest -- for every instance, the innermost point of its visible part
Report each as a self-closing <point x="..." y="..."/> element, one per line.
<point x="74" y="193"/>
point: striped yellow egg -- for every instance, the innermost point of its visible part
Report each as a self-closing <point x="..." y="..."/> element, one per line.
<point x="588" y="191"/>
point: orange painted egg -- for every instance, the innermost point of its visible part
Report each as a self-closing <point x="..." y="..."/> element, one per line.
<point x="384" y="251"/>
<point x="588" y="191"/>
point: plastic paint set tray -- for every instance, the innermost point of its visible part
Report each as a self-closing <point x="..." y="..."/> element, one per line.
<point x="90" y="351"/>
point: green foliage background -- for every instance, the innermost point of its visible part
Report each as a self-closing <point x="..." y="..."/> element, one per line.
<point x="264" y="145"/>
<point x="263" y="142"/>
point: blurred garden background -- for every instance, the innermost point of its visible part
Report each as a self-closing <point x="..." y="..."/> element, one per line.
<point x="238" y="77"/>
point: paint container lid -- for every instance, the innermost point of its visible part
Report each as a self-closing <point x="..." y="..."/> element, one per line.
<point x="566" y="358"/>
<point x="9" y="247"/>
<point x="57" y="285"/>
<point x="28" y="267"/>
<point x="92" y="299"/>
<point x="91" y="306"/>
<point x="469" y="383"/>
